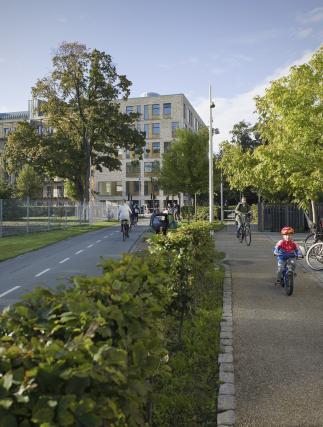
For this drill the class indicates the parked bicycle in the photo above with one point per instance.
(315, 236)
(314, 256)
(244, 232)
(125, 229)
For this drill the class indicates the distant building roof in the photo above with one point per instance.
(17, 115)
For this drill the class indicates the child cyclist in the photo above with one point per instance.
(285, 249)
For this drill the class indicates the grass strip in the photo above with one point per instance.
(13, 246)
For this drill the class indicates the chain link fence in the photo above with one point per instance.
(27, 216)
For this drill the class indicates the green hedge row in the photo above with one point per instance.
(103, 351)
(202, 212)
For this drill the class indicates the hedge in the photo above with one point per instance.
(112, 350)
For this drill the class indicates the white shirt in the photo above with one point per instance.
(124, 212)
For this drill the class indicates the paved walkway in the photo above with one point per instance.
(278, 340)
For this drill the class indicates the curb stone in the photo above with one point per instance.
(226, 400)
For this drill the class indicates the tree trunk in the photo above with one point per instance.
(195, 208)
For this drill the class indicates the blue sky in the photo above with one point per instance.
(170, 46)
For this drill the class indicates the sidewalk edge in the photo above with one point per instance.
(226, 399)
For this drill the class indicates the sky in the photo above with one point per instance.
(170, 46)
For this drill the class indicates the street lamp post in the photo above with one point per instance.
(212, 105)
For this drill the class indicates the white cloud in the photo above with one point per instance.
(229, 111)
(303, 33)
(313, 16)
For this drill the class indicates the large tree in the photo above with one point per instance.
(28, 183)
(79, 101)
(291, 123)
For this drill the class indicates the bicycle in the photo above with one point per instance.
(244, 232)
(314, 256)
(315, 236)
(288, 274)
(125, 229)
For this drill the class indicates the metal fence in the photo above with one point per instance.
(272, 217)
(26, 216)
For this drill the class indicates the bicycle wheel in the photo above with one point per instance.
(314, 256)
(241, 234)
(123, 232)
(309, 241)
(248, 235)
(289, 283)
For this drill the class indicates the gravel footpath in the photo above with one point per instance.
(277, 340)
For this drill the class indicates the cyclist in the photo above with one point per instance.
(240, 211)
(284, 249)
(124, 213)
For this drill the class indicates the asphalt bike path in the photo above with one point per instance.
(278, 340)
(56, 263)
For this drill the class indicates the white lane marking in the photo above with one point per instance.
(78, 252)
(64, 260)
(98, 241)
(42, 272)
(90, 246)
(106, 236)
(10, 290)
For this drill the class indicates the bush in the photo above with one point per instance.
(82, 356)
(202, 212)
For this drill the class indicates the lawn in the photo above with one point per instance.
(12, 246)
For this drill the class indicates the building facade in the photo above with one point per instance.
(160, 117)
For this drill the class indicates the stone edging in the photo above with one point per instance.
(226, 399)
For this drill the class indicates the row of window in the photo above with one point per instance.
(152, 130)
(188, 116)
(133, 188)
(150, 111)
(133, 169)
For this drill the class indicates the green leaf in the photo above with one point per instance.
(6, 403)
(8, 421)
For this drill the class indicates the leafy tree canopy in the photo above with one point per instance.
(78, 100)
(28, 183)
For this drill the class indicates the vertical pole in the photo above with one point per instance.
(211, 214)
(1, 216)
(221, 192)
(28, 199)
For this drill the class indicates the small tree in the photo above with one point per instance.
(28, 183)
(5, 189)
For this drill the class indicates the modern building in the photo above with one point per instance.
(160, 117)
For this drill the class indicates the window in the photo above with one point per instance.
(167, 145)
(151, 189)
(138, 126)
(167, 109)
(110, 188)
(156, 147)
(175, 126)
(132, 188)
(151, 168)
(156, 110)
(133, 169)
(128, 109)
(146, 112)
(146, 130)
(139, 109)
(184, 111)
(156, 129)
(6, 131)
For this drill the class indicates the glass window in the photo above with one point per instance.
(151, 168)
(156, 110)
(128, 109)
(184, 111)
(139, 109)
(156, 147)
(151, 188)
(156, 129)
(6, 131)
(167, 145)
(146, 112)
(132, 188)
(146, 130)
(167, 109)
(133, 169)
(175, 126)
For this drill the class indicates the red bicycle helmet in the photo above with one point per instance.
(287, 230)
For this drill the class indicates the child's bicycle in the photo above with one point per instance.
(288, 274)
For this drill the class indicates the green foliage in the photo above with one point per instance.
(79, 101)
(290, 164)
(202, 212)
(28, 183)
(128, 348)
(185, 165)
(5, 189)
